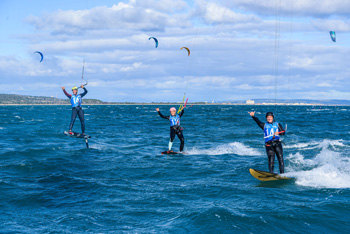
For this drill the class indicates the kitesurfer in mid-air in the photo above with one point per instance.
(273, 145)
(175, 128)
(75, 101)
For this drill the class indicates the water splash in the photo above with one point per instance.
(328, 169)
(315, 145)
(237, 148)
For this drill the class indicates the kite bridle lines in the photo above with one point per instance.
(192, 60)
(84, 52)
(183, 105)
(82, 75)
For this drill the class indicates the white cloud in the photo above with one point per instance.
(324, 84)
(329, 94)
(130, 15)
(163, 5)
(214, 13)
(297, 7)
(133, 67)
(331, 25)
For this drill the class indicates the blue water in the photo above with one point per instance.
(50, 183)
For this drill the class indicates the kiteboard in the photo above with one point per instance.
(170, 152)
(78, 135)
(267, 176)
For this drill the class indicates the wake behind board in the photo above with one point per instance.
(78, 135)
(267, 176)
(170, 152)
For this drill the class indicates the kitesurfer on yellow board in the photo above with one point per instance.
(273, 144)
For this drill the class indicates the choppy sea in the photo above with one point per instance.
(50, 183)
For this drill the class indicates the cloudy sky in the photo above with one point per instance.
(240, 49)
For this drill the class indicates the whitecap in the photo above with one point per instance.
(315, 144)
(328, 169)
(231, 148)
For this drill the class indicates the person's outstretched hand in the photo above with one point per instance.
(157, 109)
(251, 113)
(63, 88)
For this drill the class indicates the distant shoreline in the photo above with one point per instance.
(26, 100)
(196, 104)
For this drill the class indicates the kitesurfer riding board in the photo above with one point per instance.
(76, 101)
(267, 176)
(273, 144)
(175, 129)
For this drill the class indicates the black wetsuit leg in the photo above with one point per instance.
(279, 153)
(181, 138)
(270, 157)
(272, 149)
(74, 116)
(82, 120)
(77, 111)
(172, 134)
(177, 131)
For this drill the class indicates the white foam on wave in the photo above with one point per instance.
(102, 147)
(231, 148)
(318, 109)
(328, 169)
(314, 144)
(297, 145)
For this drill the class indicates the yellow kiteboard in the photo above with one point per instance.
(267, 176)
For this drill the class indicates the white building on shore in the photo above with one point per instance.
(250, 102)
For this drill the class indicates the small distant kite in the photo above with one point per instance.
(42, 56)
(332, 33)
(155, 40)
(188, 50)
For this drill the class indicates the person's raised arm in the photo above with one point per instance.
(85, 91)
(67, 94)
(260, 124)
(182, 112)
(160, 114)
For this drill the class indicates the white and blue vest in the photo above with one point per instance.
(76, 100)
(174, 120)
(271, 132)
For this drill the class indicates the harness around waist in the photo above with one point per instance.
(273, 143)
(176, 128)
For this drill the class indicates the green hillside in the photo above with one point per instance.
(25, 99)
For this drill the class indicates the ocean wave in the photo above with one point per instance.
(328, 169)
(315, 144)
(318, 109)
(237, 148)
